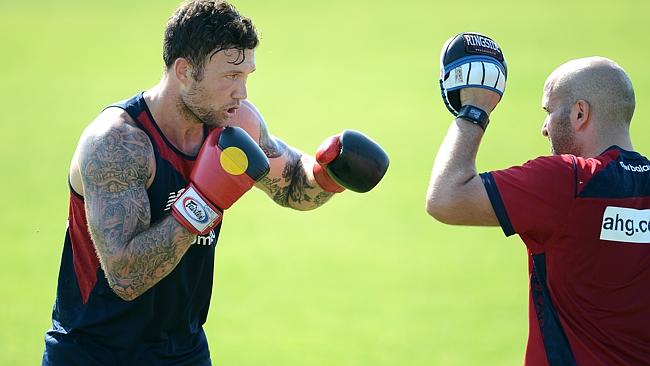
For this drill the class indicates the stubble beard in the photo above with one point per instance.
(563, 140)
(191, 109)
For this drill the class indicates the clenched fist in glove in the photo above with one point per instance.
(350, 160)
(471, 60)
(228, 165)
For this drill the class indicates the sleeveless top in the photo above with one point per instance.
(91, 324)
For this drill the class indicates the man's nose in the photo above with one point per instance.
(240, 92)
(545, 129)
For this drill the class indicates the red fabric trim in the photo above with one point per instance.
(84, 257)
(181, 165)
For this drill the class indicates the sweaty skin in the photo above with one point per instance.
(114, 165)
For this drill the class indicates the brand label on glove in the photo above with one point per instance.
(477, 44)
(195, 210)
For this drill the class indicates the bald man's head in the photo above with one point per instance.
(599, 81)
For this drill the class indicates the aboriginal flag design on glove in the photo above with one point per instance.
(470, 60)
(237, 162)
(240, 154)
(228, 165)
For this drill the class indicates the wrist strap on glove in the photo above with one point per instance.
(325, 181)
(475, 115)
(194, 212)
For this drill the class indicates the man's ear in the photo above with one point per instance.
(580, 114)
(182, 70)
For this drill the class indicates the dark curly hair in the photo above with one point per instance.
(201, 28)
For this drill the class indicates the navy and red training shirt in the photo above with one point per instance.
(91, 325)
(586, 225)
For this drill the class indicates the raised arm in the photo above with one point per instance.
(290, 182)
(115, 162)
(472, 79)
(456, 194)
(350, 160)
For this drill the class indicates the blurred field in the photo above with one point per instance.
(366, 280)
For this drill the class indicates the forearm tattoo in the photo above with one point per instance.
(293, 189)
(148, 258)
(322, 197)
(114, 168)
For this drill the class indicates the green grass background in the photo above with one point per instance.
(368, 279)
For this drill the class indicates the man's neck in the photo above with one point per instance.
(183, 130)
(622, 141)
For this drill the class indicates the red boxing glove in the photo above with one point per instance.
(350, 160)
(228, 165)
(326, 153)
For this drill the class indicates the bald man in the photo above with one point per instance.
(583, 214)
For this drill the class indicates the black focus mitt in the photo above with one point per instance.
(470, 60)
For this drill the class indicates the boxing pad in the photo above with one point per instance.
(350, 160)
(228, 165)
(470, 60)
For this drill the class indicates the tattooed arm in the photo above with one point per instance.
(115, 161)
(290, 181)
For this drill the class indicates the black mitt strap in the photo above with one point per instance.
(475, 115)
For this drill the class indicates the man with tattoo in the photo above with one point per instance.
(135, 280)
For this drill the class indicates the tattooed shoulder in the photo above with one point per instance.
(115, 157)
(272, 146)
(115, 162)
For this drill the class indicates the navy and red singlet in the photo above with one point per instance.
(91, 325)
